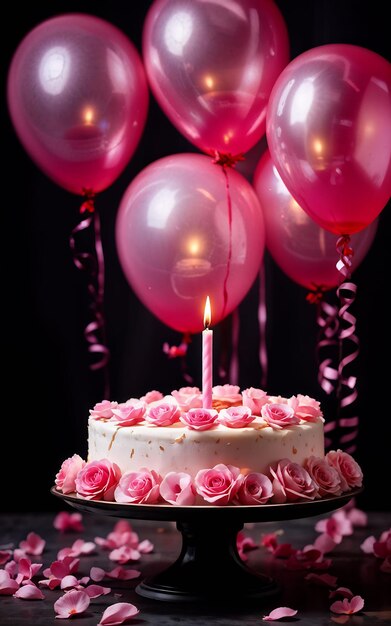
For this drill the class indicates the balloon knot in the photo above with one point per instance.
(88, 205)
(343, 246)
(316, 293)
(226, 159)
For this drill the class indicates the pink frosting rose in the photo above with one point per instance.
(306, 408)
(325, 476)
(177, 488)
(229, 393)
(66, 477)
(152, 396)
(348, 469)
(255, 489)
(218, 485)
(188, 398)
(129, 413)
(292, 482)
(236, 417)
(138, 487)
(163, 413)
(278, 400)
(103, 409)
(254, 399)
(98, 480)
(279, 415)
(199, 419)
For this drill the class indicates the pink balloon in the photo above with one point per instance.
(211, 66)
(329, 134)
(78, 99)
(300, 247)
(173, 239)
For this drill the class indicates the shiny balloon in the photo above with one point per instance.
(175, 244)
(329, 134)
(211, 66)
(78, 99)
(304, 251)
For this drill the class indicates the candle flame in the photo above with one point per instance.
(207, 313)
(88, 116)
(209, 81)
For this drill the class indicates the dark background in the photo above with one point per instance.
(47, 384)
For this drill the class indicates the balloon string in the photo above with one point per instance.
(348, 342)
(227, 160)
(95, 331)
(262, 321)
(229, 257)
(328, 323)
(180, 351)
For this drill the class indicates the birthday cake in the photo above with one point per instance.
(249, 448)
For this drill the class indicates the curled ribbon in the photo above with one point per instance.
(346, 390)
(328, 322)
(93, 264)
(327, 343)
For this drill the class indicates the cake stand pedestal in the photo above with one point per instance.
(209, 567)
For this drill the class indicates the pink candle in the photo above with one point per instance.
(207, 358)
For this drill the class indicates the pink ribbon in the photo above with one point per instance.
(328, 322)
(338, 333)
(93, 264)
(348, 347)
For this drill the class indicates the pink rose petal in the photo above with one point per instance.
(118, 613)
(94, 591)
(358, 517)
(324, 580)
(26, 569)
(348, 607)
(8, 585)
(68, 522)
(145, 546)
(367, 545)
(71, 603)
(97, 574)
(78, 548)
(121, 573)
(124, 554)
(343, 592)
(280, 613)
(29, 592)
(5, 556)
(69, 582)
(33, 544)
(284, 551)
(324, 543)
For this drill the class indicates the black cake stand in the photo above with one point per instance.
(209, 567)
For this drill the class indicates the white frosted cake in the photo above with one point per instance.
(250, 448)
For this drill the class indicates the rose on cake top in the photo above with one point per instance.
(230, 408)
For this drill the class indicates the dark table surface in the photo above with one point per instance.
(354, 569)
